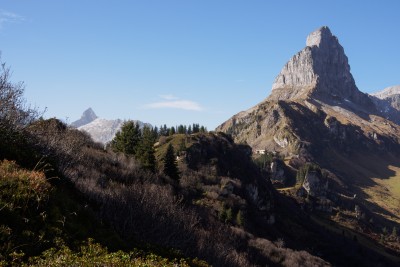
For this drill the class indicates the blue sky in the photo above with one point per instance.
(182, 61)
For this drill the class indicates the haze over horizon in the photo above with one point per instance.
(181, 62)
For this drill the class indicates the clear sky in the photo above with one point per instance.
(182, 61)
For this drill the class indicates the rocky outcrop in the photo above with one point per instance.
(314, 185)
(277, 172)
(320, 71)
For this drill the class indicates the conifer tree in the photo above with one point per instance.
(172, 131)
(145, 149)
(170, 164)
(181, 129)
(127, 139)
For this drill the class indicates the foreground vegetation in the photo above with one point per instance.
(152, 199)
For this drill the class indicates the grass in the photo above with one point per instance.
(175, 140)
(350, 234)
(386, 193)
(375, 176)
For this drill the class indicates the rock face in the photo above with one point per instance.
(388, 102)
(87, 117)
(321, 71)
(101, 130)
(314, 185)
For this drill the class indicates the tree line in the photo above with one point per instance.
(180, 129)
(139, 143)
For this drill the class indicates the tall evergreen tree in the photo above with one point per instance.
(172, 131)
(145, 149)
(196, 128)
(170, 164)
(127, 139)
(181, 129)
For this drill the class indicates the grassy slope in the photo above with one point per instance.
(377, 179)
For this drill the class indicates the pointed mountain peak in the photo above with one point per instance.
(320, 37)
(89, 114)
(320, 71)
(87, 117)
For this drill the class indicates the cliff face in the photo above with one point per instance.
(320, 71)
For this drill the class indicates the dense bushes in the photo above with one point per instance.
(93, 254)
(23, 198)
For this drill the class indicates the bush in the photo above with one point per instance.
(93, 254)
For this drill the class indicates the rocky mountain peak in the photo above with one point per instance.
(320, 37)
(320, 71)
(89, 113)
(87, 117)
(388, 92)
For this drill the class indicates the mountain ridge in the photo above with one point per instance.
(387, 102)
(101, 130)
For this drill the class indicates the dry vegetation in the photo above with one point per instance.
(60, 190)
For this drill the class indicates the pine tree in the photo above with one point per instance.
(196, 128)
(170, 164)
(127, 139)
(181, 129)
(172, 131)
(145, 149)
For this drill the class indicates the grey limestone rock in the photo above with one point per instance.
(314, 185)
(388, 102)
(321, 71)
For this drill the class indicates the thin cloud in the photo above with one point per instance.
(169, 97)
(9, 17)
(176, 103)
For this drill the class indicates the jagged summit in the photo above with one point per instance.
(87, 117)
(320, 37)
(320, 71)
(315, 90)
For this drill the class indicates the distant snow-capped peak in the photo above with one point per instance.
(101, 130)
